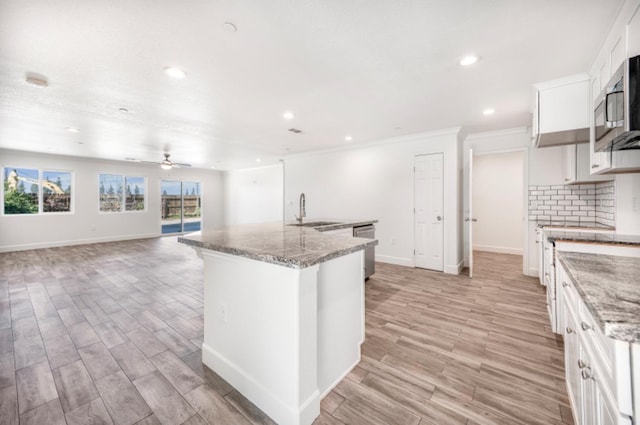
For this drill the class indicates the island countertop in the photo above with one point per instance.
(287, 245)
(608, 285)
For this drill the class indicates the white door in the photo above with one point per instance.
(469, 220)
(428, 216)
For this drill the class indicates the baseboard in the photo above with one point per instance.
(340, 378)
(398, 261)
(454, 269)
(275, 408)
(498, 249)
(533, 272)
(55, 244)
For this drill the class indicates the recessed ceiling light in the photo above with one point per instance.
(176, 73)
(288, 115)
(230, 26)
(258, 160)
(488, 111)
(348, 138)
(469, 60)
(72, 130)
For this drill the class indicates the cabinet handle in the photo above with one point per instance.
(585, 326)
(565, 284)
(567, 180)
(595, 165)
(582, 364)
(586, 373)
(569, 330)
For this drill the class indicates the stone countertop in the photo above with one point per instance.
(609, 287)
(289, 246)
(569, 226)
(592, 237)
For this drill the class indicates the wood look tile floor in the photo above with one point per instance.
(110, 334)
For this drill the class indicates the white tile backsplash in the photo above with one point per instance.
(571, 204)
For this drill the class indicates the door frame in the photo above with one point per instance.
(525, 197)
(182, 181)
(444, 178)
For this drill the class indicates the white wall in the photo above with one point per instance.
(253, 195)
(86, 224)
(376, 182)
(497, 202)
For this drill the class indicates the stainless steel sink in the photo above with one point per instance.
(313, 223)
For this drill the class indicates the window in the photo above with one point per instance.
(31, 191)
(181, 206)
(121, 193)
(56, 191)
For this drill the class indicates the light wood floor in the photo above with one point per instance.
(110, 333)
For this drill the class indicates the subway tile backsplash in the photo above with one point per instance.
(572, 204)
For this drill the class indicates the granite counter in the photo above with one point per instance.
(610, 289)
(287, 245)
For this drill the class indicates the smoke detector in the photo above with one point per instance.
(37, 80)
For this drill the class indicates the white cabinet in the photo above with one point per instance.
(622, 42)
(569, 163)
(595, 366)
(577, 165)
(561, 111)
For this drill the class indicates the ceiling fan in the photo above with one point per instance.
(166, 163)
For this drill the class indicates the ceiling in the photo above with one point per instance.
(369, 69)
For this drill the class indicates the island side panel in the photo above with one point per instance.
(340, 318)
(260, 333)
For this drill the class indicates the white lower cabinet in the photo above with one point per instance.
(597, 392)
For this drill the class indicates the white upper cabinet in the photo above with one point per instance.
(577, 165)
(561, 111)
(622, 42)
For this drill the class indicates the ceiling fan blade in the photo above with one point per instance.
(150, 162)
(181, 165)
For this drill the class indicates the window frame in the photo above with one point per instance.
(123, 208)
(41, 211)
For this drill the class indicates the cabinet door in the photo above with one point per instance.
(633, 34)
(572, 371)
(564, 107)
(569, 163)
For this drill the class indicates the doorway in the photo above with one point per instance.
(496, 208)
(180, 206)
(428, 211)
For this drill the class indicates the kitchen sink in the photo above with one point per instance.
(314, 224)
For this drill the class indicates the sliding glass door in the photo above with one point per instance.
(180, 206)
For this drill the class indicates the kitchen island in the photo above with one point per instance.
(283, 313)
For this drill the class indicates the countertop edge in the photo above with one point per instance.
(625, 332)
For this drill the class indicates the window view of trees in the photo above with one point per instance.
(56, 191)
(28, 191)
(135, 193)
(120, 193)
(21, 186)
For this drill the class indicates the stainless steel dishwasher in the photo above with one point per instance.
(369, 232)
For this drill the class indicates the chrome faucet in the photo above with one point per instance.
(303, 212)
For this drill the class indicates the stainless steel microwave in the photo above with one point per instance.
(617, 111)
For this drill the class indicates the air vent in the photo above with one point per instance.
(295, 130)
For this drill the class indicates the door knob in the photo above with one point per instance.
(439, 218)
(474, 219)
(466, 219)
